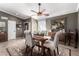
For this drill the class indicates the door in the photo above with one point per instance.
(11, 30)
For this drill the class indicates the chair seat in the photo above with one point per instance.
(49, 44)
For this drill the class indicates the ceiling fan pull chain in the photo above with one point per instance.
(39, 4)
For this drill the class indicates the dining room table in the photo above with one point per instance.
(41, 40)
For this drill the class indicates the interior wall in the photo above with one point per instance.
(29, 23)
(78, 27)
(7, 17)
(71, 21)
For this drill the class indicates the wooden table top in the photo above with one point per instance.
(41, 38)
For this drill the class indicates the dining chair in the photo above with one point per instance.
(30, 43)
(53, 45)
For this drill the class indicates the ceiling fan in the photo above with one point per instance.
(40, 13)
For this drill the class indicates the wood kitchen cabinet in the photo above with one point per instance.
(3, 30)
(3, 36)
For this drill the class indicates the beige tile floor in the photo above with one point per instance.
(74, 51)
(21, 44)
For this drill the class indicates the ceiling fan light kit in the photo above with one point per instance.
(40, 13)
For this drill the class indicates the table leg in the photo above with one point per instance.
(65, 40)
(69, 52)
(43, 49)
(69, 42)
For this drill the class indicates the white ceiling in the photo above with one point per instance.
(23, 10)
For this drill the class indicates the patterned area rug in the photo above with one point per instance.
(62, 52)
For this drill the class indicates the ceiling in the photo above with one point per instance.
(23, 10)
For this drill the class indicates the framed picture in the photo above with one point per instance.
(2, 24)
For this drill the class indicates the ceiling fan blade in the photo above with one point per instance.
(43, 10)
(33, 11)
(46, 14)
